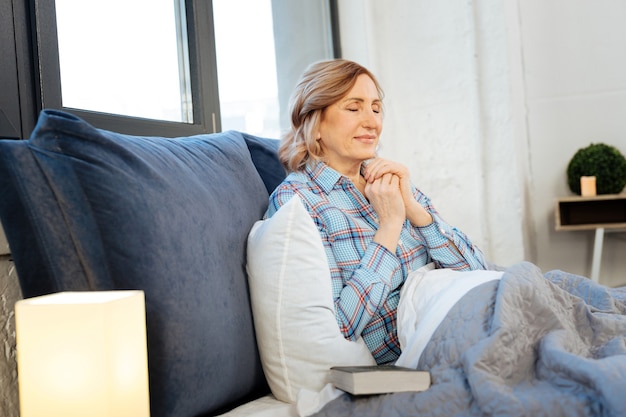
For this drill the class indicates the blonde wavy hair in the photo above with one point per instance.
(322, 84)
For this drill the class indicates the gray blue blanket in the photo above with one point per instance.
(527, 345)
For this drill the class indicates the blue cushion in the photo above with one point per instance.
(264, 155)
(99, 210)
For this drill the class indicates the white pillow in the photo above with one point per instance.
(292, 303)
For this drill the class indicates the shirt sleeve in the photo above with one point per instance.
(365, 292)
(447, 246)
(280, 196)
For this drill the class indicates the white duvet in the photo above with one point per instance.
(426, 297)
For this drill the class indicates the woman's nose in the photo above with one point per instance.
(371, 119)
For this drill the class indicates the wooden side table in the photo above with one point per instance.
(599, 213)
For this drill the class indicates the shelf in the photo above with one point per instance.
(606, 211)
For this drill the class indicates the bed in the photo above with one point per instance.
(517, 343)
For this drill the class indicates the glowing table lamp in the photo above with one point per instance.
(82, 354)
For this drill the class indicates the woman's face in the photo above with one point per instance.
(350, 128)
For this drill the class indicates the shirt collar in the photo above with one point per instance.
(323, 176)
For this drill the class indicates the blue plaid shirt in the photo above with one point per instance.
(367, 277)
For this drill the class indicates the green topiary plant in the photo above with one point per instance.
(603, 161)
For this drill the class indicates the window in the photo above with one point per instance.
(94, 38)
(150, 67)
(112, 85)
(246, 66)
(262, 48)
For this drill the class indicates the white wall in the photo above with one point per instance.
(575, 76)
(486, 102)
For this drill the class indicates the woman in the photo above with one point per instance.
(376, 227)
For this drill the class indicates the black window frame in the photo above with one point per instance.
(17, 70)
(202, 68)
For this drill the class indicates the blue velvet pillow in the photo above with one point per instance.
(170, 217)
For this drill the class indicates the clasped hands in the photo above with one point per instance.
(388, 190)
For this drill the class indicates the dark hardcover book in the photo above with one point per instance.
(365, 380)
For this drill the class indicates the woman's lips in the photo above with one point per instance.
(366, 138)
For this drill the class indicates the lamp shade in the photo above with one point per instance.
(82, 354)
